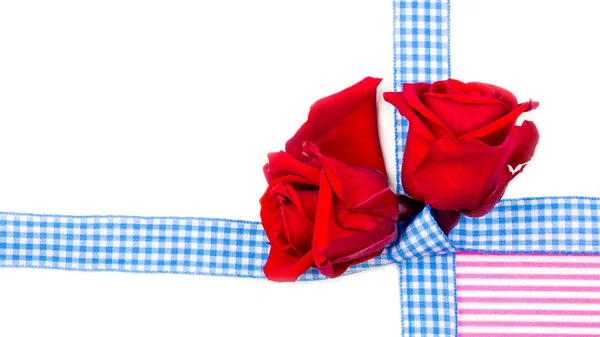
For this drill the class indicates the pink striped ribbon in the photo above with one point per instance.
(501, 295)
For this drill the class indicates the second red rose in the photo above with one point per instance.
(463, 145)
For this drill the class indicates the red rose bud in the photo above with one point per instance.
(463, 144)
(328, 204)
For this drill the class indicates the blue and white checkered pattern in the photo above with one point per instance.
(423, 237)
(534, 225)
(140, 244)
(239, 248)
(427, 284)
(136, 244)
(428, 296)
(421, 52)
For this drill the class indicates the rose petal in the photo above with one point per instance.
(338, 267)
(504, 95)
(398, 100)
(296, 229)
(500, 125)
(269, 208)
(523, 141)
(463, 114)
(349, 245)
(418, 141)
(281, 267)
(285, 263)
(356, 214)
(344, 126)
(281, 164)
(331, 267)
(458, 88)
(475, 89)
(354, 187)
(414, 151)
(292, 229)
(305, 201)
(383, 204)
(526, 139)
(482, 100)
(324, 221)
(470, 176)
(332, 242)
(447, 87)
(458, 175)
(413, 93)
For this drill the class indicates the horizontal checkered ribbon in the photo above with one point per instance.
(426, 257)
(138, 244)
(239, 248)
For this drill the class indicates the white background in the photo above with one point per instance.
(168, 108)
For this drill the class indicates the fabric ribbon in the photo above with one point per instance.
(222, 247)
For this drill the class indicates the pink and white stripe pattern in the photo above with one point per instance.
(503, 295)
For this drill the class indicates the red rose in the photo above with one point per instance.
(328, 203)
(463, 145)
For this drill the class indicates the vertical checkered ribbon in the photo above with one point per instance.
(425, 256)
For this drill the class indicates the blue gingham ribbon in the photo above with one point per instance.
(426, 257)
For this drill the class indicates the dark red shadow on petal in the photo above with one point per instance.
(446, 220)
(408, 207)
